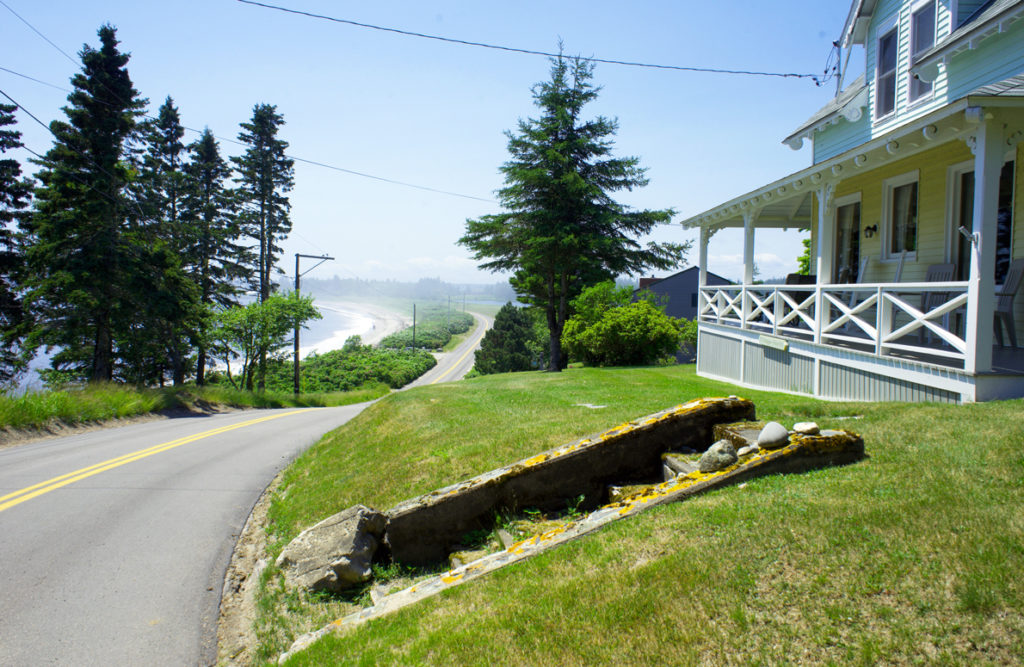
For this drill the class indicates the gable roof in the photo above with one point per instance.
(849, 104)
(678, 274)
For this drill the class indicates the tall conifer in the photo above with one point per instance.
(217, 261)
(265, 175)
(14, 196)
(80, 253)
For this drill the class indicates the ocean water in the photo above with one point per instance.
(340, 321)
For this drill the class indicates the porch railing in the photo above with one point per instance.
(886, 319)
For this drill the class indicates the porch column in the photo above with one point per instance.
(824, 253)
(748, 261)
(989, 148)
(702, 262)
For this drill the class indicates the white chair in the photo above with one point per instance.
(937, 273)
(1004, 301)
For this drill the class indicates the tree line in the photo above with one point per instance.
(128, 247)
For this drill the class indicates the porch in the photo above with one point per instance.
(872, 341)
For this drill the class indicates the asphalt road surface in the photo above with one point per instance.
(454, 365)
(114, 543)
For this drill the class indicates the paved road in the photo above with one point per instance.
(454, 365)
(114, 543)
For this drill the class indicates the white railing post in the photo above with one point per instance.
(883, 319)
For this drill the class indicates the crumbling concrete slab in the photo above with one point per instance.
(803, 452)
(424, 530)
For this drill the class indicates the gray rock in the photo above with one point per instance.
(334, 554)
(773, 436)
(720, 455)
(806, 428)
(674, 464)
(749, 449)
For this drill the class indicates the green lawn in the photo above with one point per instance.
(910, 556)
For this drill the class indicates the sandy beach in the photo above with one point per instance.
(368, 321)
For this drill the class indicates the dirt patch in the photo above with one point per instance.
(235, 636)
(12, 437)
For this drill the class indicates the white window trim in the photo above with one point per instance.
(953, 195)
(914, 9)
(890, 25)
(845, 200)
(888, 186)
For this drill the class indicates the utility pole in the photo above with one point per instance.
(414, 327)
(298, 276)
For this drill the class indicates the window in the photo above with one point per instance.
(964, 216)
(846, 266)
(885, 80)
(900, 221)
(922, 31)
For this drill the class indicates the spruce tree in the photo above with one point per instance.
(217, 262)
(80, 254)
(14, 196)
(505, 347)
(561, 230)
(265, 175)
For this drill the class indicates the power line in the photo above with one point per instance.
(47, 39)
(296, 158)
(450, 40)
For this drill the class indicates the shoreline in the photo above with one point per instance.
(371, 323)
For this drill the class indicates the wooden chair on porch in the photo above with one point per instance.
(1004, 301)
(937, 273)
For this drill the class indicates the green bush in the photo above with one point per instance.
(354, 365)
(434, 329)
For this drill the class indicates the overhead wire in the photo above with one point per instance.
(532, 52)
(296, 158)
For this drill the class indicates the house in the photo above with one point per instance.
(916, 234)
(679, 293)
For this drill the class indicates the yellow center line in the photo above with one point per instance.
(464, 355)
(30, 492)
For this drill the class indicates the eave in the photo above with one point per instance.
(793, 192)
(995, 21)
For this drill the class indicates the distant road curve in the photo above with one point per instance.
(454, 365)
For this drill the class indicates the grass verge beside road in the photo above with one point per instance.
(101, 402)
(911, 555)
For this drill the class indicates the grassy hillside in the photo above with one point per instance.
(912, 555)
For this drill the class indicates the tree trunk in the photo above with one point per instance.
(201, 366)
(102, 371)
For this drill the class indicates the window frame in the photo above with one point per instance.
(913, 81)
(889, 187)
(840, 202)
(885, 29)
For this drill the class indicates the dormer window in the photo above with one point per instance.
(922, 38)
(885, 78)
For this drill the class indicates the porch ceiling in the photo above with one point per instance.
(789, 201)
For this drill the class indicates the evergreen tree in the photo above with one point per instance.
(562, 231)
(80, 253)
(265, 174)
(505, 347)
(218, 262)
(14, 195)
(168, 320)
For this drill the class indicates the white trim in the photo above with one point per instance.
(915, 9)
(891, 26)
(953, 196)
(889, 185)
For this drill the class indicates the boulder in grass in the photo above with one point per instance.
(720, 455)
(773, 436)
(335, 554)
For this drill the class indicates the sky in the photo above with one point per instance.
(433, 114)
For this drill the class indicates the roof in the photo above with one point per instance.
(1012, 87)
(990, 19)
(679, 273)
(849, 104)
